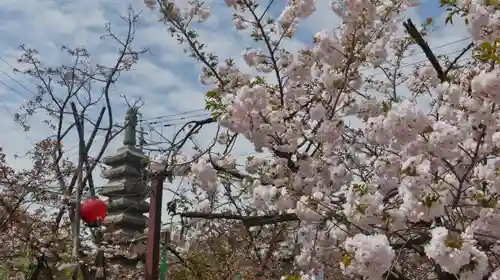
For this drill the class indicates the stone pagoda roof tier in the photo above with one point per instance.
(124, 204)
(126, 221)
(126, 155)
(126, 187)
(122, 171)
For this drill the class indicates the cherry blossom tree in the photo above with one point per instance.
(394, 176)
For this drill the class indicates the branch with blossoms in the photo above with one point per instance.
(23, 200)
(393, 174)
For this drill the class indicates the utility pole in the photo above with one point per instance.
(154, 226)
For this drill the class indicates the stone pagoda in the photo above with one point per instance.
(127, 187)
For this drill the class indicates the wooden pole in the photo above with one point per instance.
(79, 187)
(76, 225)
(154, 228)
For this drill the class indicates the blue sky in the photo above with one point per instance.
(165, 79)
(429, 8)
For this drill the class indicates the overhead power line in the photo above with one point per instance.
(7, 109)
(19, 83)
(149, 120)
(439, 46)
(180, 118)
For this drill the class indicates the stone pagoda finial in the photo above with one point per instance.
(130, 127)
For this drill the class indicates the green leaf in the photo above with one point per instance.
(347, 260)
(258, 81)
(211, 94)
(449, 19)
(486, 46)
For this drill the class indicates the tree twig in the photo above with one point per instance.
(466, 49)
(415, 34)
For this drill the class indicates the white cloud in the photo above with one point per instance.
(165, 79)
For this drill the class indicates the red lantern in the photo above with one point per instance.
(93, 211)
